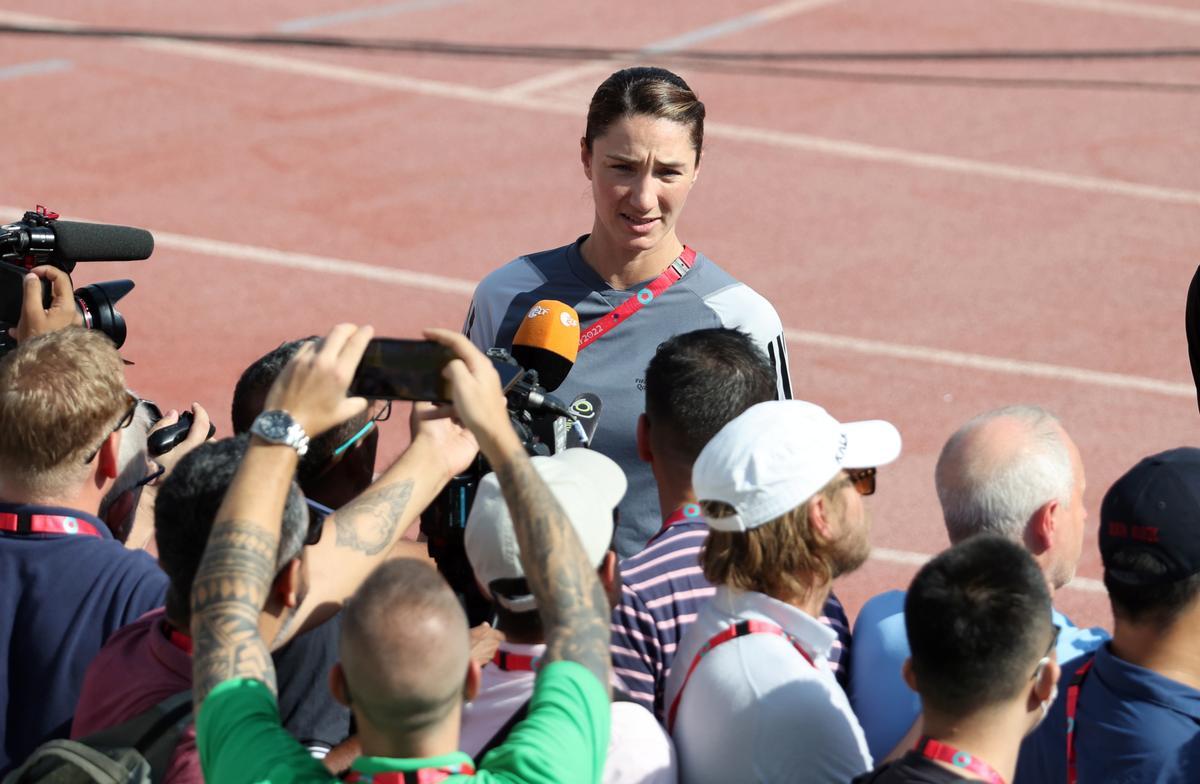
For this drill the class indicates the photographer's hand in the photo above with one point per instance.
(38, 320)
(453, 446)
(312, 388)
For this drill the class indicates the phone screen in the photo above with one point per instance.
(396, 369)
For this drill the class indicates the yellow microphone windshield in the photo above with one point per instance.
(550, 325)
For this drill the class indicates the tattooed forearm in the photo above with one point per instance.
(574, 609)
(228, 594)
(368, 523)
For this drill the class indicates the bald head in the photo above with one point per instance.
(405, 648)
(1000, 468)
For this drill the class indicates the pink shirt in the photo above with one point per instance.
(135, 670)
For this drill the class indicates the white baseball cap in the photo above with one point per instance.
(587, 484)
(776, 455)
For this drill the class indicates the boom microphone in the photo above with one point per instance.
(75, 241)
(548, 341)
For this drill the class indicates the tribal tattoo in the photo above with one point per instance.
(574, 609)
(368, 524)
(228, 594)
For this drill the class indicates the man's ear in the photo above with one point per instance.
(1045, 685)
(109, 457)
(644, 452)
(585, 157)
(337, 685)
(608, 571)
(910, 677)
(1041, 528)
(288, 584)
(818, 518)
(472, 681)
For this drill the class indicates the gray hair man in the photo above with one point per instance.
(1014, 472)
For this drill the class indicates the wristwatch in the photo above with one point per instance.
(278, 427)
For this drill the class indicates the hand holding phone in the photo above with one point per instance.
(398, 369)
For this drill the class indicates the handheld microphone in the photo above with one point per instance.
(548, 341)
(586, 410)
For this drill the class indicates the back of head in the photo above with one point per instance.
(978, 620)
(1001, 467)
(698, 382)
(649, 91)
(250, 395)
(186, 508)
(405, 648)
(1150, 539)
(60, 395)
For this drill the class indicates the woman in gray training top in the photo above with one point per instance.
(641, 150)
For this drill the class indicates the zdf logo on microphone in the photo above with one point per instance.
(537, 310)
(567, 319)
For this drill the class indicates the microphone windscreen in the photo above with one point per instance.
(548, 341)
(74, 241)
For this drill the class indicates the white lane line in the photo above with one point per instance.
(1162, 13)
(878, 348)
(307, 23)
(917, 560)
(593, 68)
(1012, 367)
(35, 68)
(837, 148)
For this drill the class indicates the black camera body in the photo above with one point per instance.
(40, 238)
(444, 521)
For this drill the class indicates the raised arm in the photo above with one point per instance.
(574, 610)
(239, 565)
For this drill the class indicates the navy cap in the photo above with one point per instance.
(1154, 509)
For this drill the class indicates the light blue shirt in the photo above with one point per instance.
(885, 706)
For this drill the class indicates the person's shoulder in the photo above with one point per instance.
(639, 748)
(736, 305)
(878, 608)
(523, 272)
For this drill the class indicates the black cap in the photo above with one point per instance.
(1154, 509)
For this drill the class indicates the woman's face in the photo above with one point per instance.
(641, 170)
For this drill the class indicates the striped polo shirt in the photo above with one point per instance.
(663, 589)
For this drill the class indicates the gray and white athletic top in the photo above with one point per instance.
(614, 366)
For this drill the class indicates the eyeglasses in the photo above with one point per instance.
(1042, 662)
(381, 411)
(125, 421)
(154, 471)
(863, 479)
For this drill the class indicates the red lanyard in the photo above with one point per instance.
(180, 640)
(1072, 706)
(515, 662)
(944, 752)
(739, 629)
(46, 524)
(670, 276)
(688, 513)
(421, 776)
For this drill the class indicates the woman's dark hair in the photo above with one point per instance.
(655, 92)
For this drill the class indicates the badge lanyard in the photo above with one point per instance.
(515, 662)
(688, 513)
(739, 629)
(422, 776)
(1072, 706)
(944, 752)
(670, 276)
(46, 524)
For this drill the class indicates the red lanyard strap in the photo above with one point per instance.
(421, 776)
(515, 662)
(670, 276)
(739, 629)
(46, 524)
(1072, 707)
(688, 513)
(944, 752)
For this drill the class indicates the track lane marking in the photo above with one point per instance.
(1161, 13)
(831, 147)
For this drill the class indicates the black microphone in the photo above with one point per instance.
(75, 241)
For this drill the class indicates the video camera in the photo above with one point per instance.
(546, 426)
(40, 238)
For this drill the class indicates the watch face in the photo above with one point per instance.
(273, 425)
